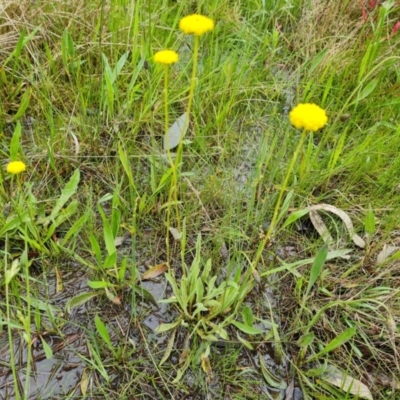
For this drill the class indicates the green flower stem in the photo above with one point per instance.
(178, 160)
(273, 223)
(9, 319)
(194, 74)
(171, 162)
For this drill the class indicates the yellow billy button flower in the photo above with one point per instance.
(308, 116)
(166, 57)
(16, 167)
(196, 24)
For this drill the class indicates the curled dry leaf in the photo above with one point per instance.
(342, 380)
(344, 217)
(154, 271)
(385, 253)
(321, 228)
(84, 382)
(176, 132)
(120, 240)
(206, 365)
(175, 233)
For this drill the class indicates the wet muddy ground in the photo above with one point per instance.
(70, 371)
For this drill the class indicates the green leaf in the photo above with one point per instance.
(127, 168)
(109, 238)
(79, 300)
(110, 261)
(367, 90)
(75, 228)
(285, 206)
(317, 267)
(342, 338)
(270, 378)
(25, 100)
(15, 143)
(97, 362)
(167, 327)
(245, 342)
(96, 249)
(294, 216)
(250, 330)
(98, 284)
(145, 294)
(102, 329)
(369, 222)
(306, 339)
(68, 191)
(169, 348)
(13, 271)
(14, 223)
(247, 315)
(48, 352)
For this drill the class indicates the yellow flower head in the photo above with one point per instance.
(166, 57)
(196, 24)
(308, 116)
(16, 167)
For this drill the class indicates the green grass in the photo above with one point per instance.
(82, 104)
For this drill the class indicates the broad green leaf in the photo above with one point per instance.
(247, 315)
(22, 41)
(169, 348)
(68, 191)
(62, 217)
(250, 330)
(98, 284)
(13, 271)
(48, 352)
(145, 295)
(285, 206)
(306, 339)
(120, 63)
(110, 261)
(294, 216)
(25, 100)
(41, 305)
(15, 143)
(369, 222)
(109, 238)
(176, 132)
(79, 300)
(317, 267)
(289, 267)
(96, 248)
(342, 338)
(14, 222)
(167, 327)
(75, 228)
(102, 329)
(245, 342)
(97, 362)
(367, 90)
(317, 371)
(127, 168)
(270, 378)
